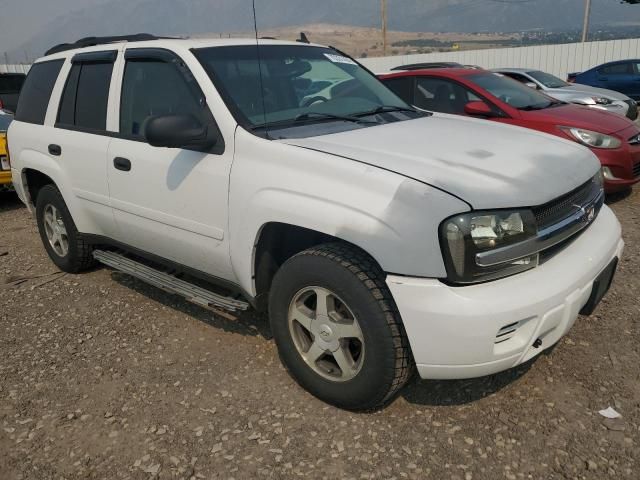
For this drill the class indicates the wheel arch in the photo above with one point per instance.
(33, 180)
(275, 243)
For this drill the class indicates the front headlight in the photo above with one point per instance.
(602, 101)
(466, 235)
(592, 139)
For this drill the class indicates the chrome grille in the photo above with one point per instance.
(559, 209)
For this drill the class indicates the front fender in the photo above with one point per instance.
(393, 218)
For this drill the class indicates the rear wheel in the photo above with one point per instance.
(66, 247)
(337, 328)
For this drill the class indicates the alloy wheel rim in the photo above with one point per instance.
(56, 231)
(326, 334)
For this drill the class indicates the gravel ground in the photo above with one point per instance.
(102, 376)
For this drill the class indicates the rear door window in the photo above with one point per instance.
(402, 87)
(617, 69)
(36, 91)
(86, 96)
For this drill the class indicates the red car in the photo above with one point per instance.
(479, 93)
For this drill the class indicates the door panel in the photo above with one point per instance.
(82, 140)
(619, 77)
(169, 202)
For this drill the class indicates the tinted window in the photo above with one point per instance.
(617, 69)
(36, 91)
(11, 83)
(86, 95)
(516, 76)
(402, 86)
(440, 95)
(156, 88)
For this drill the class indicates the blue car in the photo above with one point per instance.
(622, 76)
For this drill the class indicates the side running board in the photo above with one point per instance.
(169, 283)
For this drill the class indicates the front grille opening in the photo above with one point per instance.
(560, 208)
(636, 170)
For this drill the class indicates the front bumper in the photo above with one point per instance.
(453, 330)
(619, 108)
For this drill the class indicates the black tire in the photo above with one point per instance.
(359, 281)
(80, 253)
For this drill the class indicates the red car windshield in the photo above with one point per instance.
(512, 92)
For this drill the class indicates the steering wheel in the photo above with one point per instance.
(313, 100)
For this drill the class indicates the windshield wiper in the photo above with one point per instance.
(529, 108)
(331, 116)
(386, 109)
(306, 117)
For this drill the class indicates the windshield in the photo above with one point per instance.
(512, 92)
(5, 120)
(548, 80)
(300, 84)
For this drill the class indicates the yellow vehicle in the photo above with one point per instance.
(5, 169)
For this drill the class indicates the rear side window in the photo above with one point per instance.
(11, 83)
(36, 91)
(86, 96)
(152, 88)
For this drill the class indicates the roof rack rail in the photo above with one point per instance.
(92, 41)
(428, 65)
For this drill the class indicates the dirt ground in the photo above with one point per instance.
(102, 376)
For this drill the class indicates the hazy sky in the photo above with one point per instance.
(32, 26)
(21, 19)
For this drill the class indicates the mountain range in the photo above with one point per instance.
(50, 23)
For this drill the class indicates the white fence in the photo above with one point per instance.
(556, 59)
(19, 68)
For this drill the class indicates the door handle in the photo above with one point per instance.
(55, 150)
(122, 164)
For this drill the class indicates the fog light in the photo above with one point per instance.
(608, 174)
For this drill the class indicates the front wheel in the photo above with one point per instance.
(337, 328)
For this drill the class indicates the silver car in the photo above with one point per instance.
(600, 98)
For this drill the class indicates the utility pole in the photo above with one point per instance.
(587, 16)
(384, 27)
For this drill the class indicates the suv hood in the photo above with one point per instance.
(579, 89)
(581, 117)
(488, 165)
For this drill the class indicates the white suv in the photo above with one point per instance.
(380, 238)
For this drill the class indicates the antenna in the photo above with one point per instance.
(303, 38)
(264, 105)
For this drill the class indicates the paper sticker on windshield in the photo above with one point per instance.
(339, 59)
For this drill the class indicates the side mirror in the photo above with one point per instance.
(478, 109)
(179, 131)
(531, 85)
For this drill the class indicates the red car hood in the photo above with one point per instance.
(580, 117)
